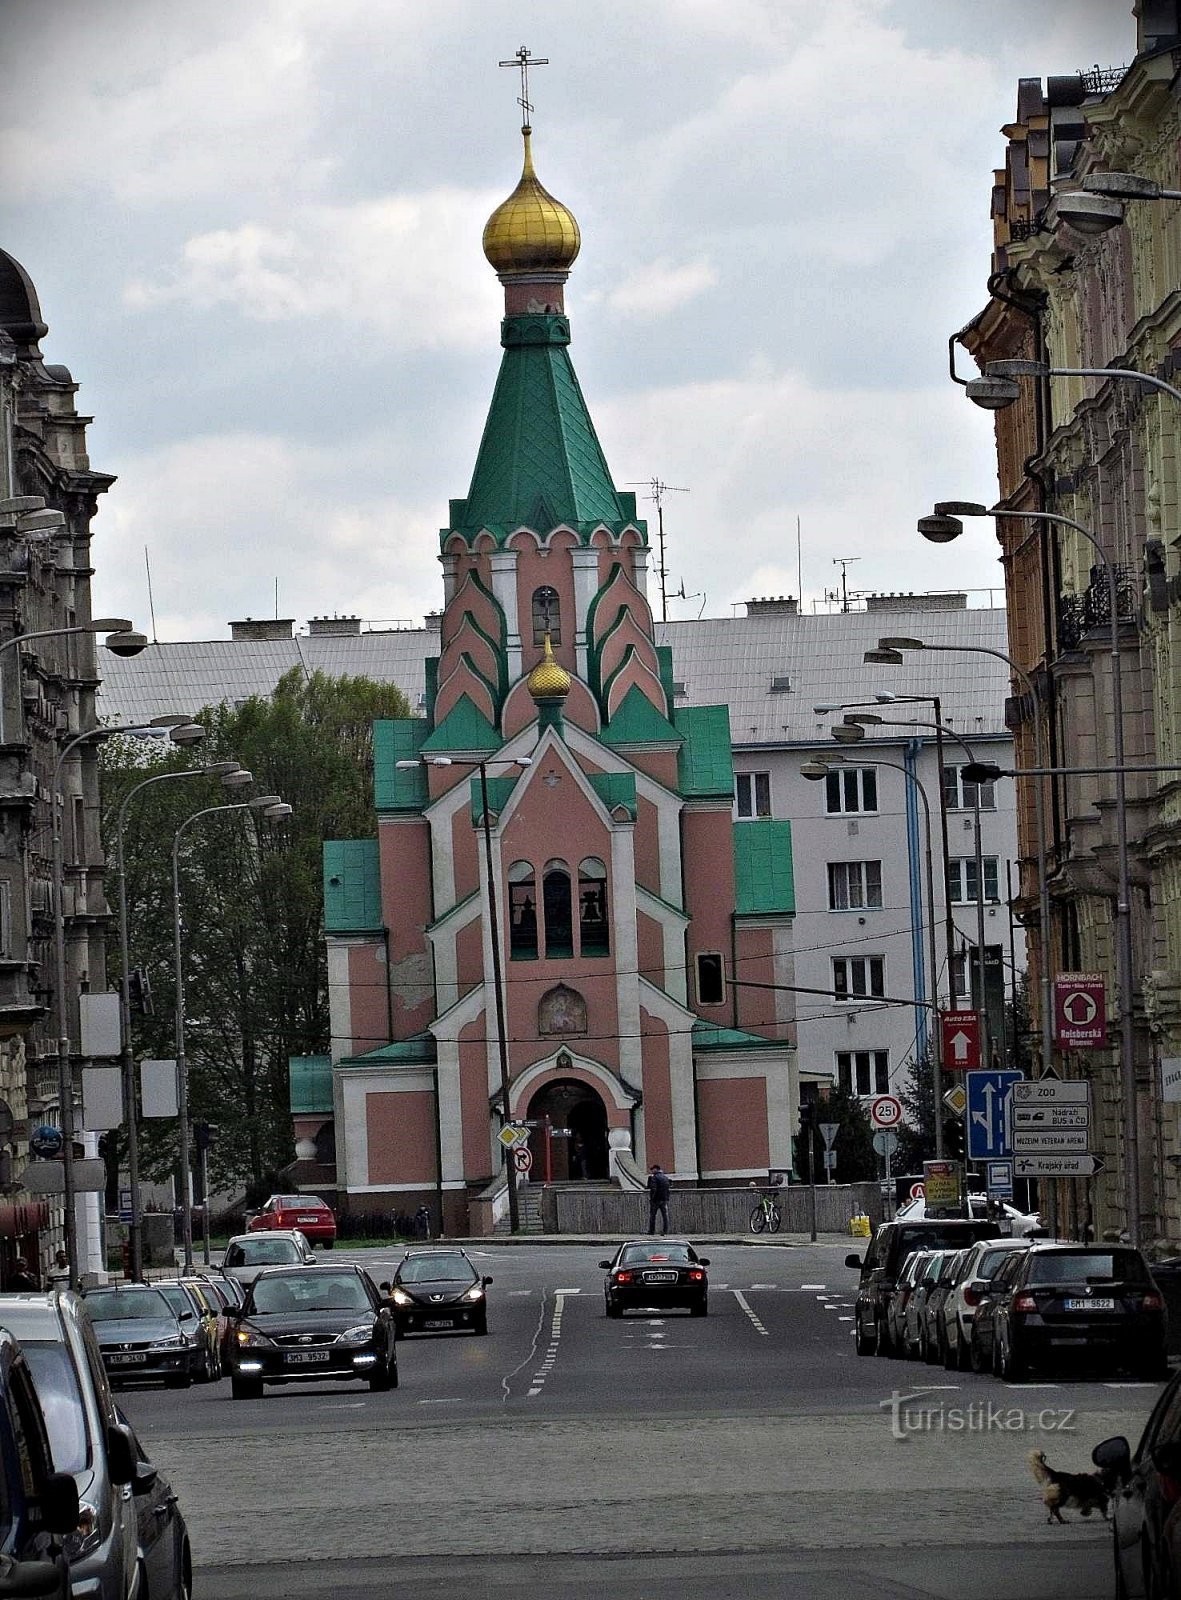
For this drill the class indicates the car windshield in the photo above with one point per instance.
(56, 1383)
(301, 1202)
(320, 1290)
(436, 1269)
(991, 1260)
(261, 1252)
(677, 1254)
(118, 1305)
(177, 1298)
(1087, 1266)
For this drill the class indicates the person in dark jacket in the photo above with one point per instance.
(659, 1189)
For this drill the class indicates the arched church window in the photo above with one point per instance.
(594, 932)
(522, 911)
(547, 615)
(559, 925)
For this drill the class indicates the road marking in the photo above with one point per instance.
(520, 1291)
(555, 1336)
(567, 1291)
(746, 1306)
(830, 1305)
(452, 1400)
(844, 1319)
(347, 1405)
(764, 1286)
(505, 1382)
(1131, 1386)
(813, 1286)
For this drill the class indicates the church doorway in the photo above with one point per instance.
(578, 1137)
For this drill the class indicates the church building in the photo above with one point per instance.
(556, 822)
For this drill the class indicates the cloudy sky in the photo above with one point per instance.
(255, 232)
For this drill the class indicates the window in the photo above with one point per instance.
(711, 980)
(961, 978)
(854, 885)
(858, 977)
(555, 896)
(594, 933)
(962, 889)
(851, 789)
(864, 1071)
(753, 791)
(547, 618)
(522, 912)
(961, 796)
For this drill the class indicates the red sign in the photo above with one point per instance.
(1080, 1010)
(885, 1111)
(522, 1158)
(961, 1040)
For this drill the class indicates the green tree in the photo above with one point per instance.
(856, 1158)
(251, 900)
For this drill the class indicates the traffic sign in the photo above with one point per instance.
(522, 1159)
(828, 1132)
(885, 1143)
(513, 1134)
(1080, 1010)
(918, 1191)
(998, 1179)
(956, 1100)
(1052, 1141)
(46, 1140)
(830, 1161)
(960, 1037)
(1042, 1165)
(1052, 1092)
(885, 1111)
(1051, 1116)
(989, 1095)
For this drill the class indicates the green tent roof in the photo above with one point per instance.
(705, 764)
(465, 727)
(764, 879)
(352, 886)
(638, 722)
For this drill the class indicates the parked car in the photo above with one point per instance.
(958, 1311)
(312, 1323)
(656, 1273)
(38, 1502)
(164, 1552)
(1021, 1224)
(139, 1335)
(198, 1323)
(929, 1310)
(883, 1261)
(1145, 1514)
(227, 1295)
(246, 1254)
(312, 1216)
(437, 1289)
(1056, 1301)
(912, 1271)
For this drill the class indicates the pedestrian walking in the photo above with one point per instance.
(659, 1189)
(59, 1272)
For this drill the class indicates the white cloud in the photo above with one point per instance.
(660, 287)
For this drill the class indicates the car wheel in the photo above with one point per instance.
(1154, 1370)
(481, 1325)
(881, 1345)
(1011, 1367)
(328, 1243)
(245, 1388)
(862, 1343)
(931, 1352)
(178, 1380)
(381, 1378)
(700, 1309)
(612, 1309)
(951, 1358)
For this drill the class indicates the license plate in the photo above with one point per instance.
(1088, 1305)
(305, 1358)
(302, 1220)
(660, 1277)
(127, 1358)
(438, 1322)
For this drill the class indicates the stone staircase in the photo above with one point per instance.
(530, 1208)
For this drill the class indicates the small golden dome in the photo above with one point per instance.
(531, 231)
(549, 680)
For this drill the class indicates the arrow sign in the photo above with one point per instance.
(961, 1040)
(989, 1094)
(885, 1143)
(1080, 1010)
(1046, 1166)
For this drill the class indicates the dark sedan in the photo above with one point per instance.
(1146, 1502)
(139, 1335)
(312, 1323)
(437, 1290)
(654, 1274)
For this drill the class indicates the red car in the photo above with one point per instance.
(307, 1212)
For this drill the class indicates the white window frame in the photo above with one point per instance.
(854, 883)
(747, 786)
(875, 1076)
(961, 796)
(963, 874)
(858, 978)
(852, 785)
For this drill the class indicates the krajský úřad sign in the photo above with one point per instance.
(1080, 1010)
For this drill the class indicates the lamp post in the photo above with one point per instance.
(176, 728)
(274, 809)
(941, 528)
(225, 770)
(998, 388)
(123, 641)
(514, 1213)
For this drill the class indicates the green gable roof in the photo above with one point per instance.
(615, 789)
(465, 727)
(410, 1052)
(708, 1037)
(395, 741)
(499, 790)
(309, 1081)
(764, 880)
(352, 886)
(540, 462)
(705, 765)
(638, 722)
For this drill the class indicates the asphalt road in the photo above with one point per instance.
(750, 1453)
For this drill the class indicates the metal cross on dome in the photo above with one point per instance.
(523, 60)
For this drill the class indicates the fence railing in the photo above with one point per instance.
(570, 1209)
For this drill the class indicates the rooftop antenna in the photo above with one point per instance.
(151, 601)
(844, 562)
(657, 492)
(523, 61)
(700, 595)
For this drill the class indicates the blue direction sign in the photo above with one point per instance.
(989, 1094)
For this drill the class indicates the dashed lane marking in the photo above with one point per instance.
(844, 1319)
(506, 1381)
(519, 1291)
(764, 1286)
(813, 1286)
(451, 1400)
(746, 1306)
(555, 1338)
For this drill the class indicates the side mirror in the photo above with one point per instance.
(606, 1265)
(121, 1454)
(59, 1504)
(145, 1478)
(853, 1261)
(385, 1289)
(486, 1281)
(1114, 1455)
(703, 1261)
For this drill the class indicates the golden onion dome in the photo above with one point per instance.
(549, 680)
(531, 231)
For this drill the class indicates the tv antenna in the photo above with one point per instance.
(844, 562)
(700, 595)
(657, 492)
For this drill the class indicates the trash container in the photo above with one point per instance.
(1168, 1278)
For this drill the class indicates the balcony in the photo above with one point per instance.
(1081, 614)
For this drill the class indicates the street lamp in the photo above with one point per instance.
(123, 641)
(229, 773)
(274, 809)
(948, 526)
(514, 1217)
(999, 388)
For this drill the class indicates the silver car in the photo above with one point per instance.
(959, 1309)
(248, 1253)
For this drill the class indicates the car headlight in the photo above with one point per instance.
(361, 1334)
(174, 1341)
(401, 1298)
(248, 1336)
(88, 1535)
(474, 1293)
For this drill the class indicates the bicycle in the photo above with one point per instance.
(765, 1216)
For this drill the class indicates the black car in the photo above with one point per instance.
(139, 1335)
(1097, 1304)
(882, 1263)
(1146, 1526)
(436, 1290)
(654, 1274)
(312, 1323)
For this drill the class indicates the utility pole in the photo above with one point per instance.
(656, 492)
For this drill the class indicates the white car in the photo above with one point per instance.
(1018, 1224)
(959, 1308)
(248, 1253)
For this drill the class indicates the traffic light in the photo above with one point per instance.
(205, 1135)
(139, 993)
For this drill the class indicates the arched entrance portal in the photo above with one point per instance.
(580, 1153)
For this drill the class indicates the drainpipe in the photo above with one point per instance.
(916, 900)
